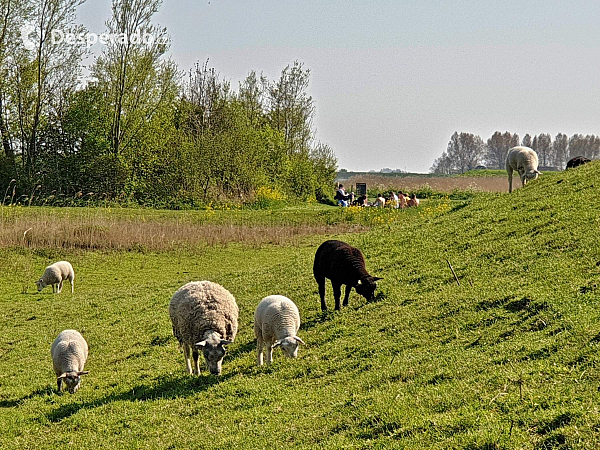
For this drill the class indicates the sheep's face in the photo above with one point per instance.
(72, 380)
(40, 284)
(366, 287)
(531, 175)
(289, 346)
(213, 351)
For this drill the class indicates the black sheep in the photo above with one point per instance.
(342, 264)
(577, 161)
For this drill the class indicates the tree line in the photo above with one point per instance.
(139, 128)
(467, 151)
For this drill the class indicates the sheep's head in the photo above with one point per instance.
(213, 350)
(532, 174)
(72, 380)
(40, 284)
(289, 345)
(366, 287)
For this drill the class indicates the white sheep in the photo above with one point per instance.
(204, 315)
(69, 354)
(276, 322)
(525, 161)
(55, 274)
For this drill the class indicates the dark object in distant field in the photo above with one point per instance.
(577, 161)
(342, 264)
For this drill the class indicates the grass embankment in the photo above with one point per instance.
(508, 359)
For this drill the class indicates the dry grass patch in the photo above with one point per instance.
(443, 184)
(47, 228)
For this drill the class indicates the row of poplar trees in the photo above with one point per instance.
(467, 151)
(137, 128)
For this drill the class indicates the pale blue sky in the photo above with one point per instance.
(392, 80)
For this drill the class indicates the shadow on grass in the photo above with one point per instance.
(164, 387)
(42, 392)
(322, 317)
(242, 349)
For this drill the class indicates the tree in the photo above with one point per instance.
(252, 93)
(11, 16)
(526, 142)
(544, 149)
(497, 148)
(291, 109)
(560, 149)
(442, 165)
(44, 79)
(130, 71)
(576, 146)
(465, 150)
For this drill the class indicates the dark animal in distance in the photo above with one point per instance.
(342, 264)
(577, 161)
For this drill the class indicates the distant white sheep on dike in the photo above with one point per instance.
(525, 161)
(276, 322)
(55, 275)
(69, 354)
(204, 316)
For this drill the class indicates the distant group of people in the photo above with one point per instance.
(395, 200)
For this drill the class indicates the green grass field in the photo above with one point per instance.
(507, 359)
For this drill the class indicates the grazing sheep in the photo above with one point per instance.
(55, 275)
(276, 322)
(69, 354)
(525, 161)
(577, 161)
(204, 315)
(342, 264)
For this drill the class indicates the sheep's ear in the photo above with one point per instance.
(200, 344)
(83, 372)
(538, 172)
(61, 376)
(299, 340)
(277, 343)
(225, 342)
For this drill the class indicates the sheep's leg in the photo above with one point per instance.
(72, 280)
(186, 355)
(269, 352)
(54, 289)
(59, 383)
(196, 357)
(510, 177)
(321, 283)
(259, 350)
(337, 293)
(60, 285)
(522, 175)
(347, 295)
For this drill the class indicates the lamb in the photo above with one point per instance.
(69, 354)
(204, 315)
(525, 161)
(577, 161)
(55, 274)
(276, 322)
(342, 264)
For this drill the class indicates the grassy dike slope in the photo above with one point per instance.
(508, 359)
